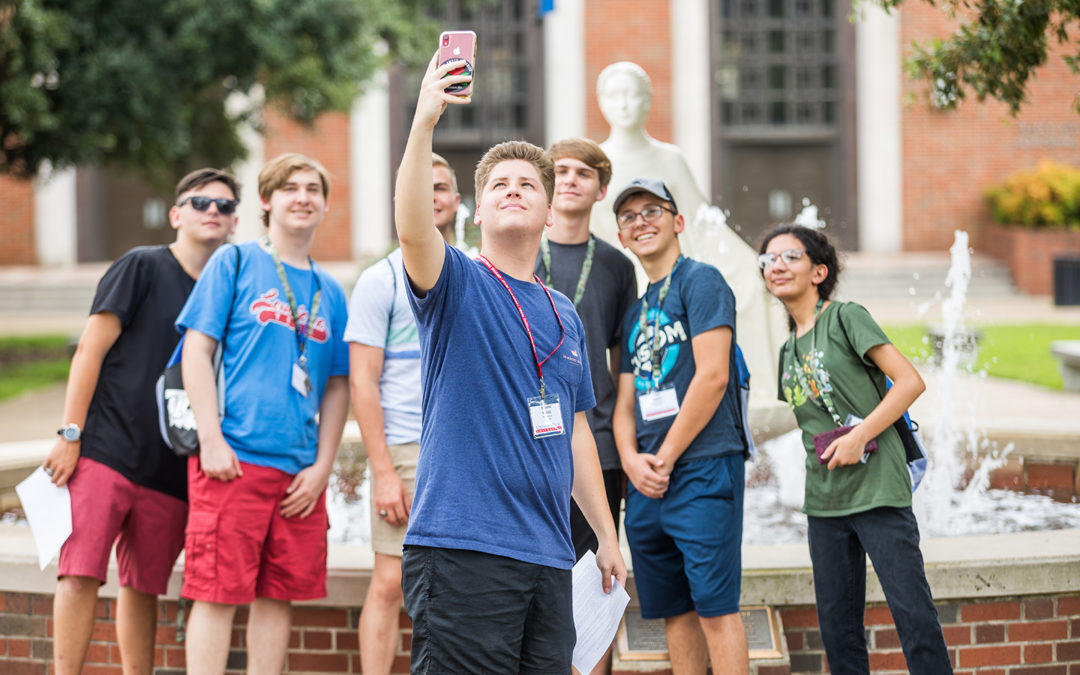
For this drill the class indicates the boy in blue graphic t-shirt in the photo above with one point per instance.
(679, 434)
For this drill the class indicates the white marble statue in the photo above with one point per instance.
(625, 95)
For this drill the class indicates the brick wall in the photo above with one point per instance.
(1037, 635)
(16, 222)
(1032, 635)
(326, 141)
(323, 639)
(1060, 479)
(1030, 253)
(950, 158)
(643, 35)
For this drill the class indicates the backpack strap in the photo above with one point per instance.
(236, 282)
(847, 338)
(904, 425)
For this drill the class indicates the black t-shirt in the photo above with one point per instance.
(145, 288)
(611, 289)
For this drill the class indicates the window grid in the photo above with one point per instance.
(778, 65)
(500, 105)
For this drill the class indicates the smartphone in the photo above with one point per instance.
(459, 45)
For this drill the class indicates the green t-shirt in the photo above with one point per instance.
(883, 480)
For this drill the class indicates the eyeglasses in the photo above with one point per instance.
(224, 206)
(649, 213)
(767, 260)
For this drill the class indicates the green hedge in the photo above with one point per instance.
(1048, 196)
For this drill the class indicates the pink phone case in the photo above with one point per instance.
(459, 45)
(822, 441)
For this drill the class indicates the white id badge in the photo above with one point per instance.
(546, 416)
(300, 381)
(657, 404)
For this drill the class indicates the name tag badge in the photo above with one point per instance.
(546, 416)
(300, 381)
(658, 404)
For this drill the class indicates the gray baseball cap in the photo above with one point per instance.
(651, 185)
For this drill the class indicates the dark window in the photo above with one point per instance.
(785, 55)
(503, 107)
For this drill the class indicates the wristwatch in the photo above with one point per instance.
(70, 432)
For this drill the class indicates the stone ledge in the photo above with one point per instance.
(957, 567)
(979, 566)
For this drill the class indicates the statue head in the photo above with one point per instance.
(624, 93)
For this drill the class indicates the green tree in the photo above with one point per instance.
(996, 49)
(153, 85)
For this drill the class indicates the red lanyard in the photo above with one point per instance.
(525, 322)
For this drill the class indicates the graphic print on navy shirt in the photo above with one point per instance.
(672, 335)
(699, 300)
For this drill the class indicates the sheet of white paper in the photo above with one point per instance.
(48, 510)
(596, 614)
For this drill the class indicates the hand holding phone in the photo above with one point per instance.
(459, 45)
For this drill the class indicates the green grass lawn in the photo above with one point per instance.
(30, 362)
(1014, 352)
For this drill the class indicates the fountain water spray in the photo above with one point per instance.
(459, 226)
(954, 444)
(944, 463)
(808, 217)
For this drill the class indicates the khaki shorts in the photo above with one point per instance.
(386, 538)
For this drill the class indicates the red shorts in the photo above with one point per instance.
(147, 526)
(239, 548)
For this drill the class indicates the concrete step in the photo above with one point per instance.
(46, 299)
(920, 276)
(70, 290)
(36, 290)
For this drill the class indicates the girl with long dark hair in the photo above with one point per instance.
(858, 490)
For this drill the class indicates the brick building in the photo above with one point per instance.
(772, 102)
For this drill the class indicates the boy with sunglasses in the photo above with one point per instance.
(126, 485)
(680, 436)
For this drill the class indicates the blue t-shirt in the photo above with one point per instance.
(483, 483)
(267, 422)
(699, 300)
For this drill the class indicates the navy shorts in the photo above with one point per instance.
(475, 612)
(687, 545)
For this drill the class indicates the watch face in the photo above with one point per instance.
(70, 433)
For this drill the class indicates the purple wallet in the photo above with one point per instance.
(822, 441)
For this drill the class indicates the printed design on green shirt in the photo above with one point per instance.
(814, 377)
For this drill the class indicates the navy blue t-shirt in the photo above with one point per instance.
(699, 300)
(483, 483)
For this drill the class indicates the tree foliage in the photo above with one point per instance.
(154, 85)
(996, 49)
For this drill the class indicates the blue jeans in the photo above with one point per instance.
(838, 549)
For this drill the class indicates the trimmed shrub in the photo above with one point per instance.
(1048, 196)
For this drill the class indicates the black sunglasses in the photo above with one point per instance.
(224, 206)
